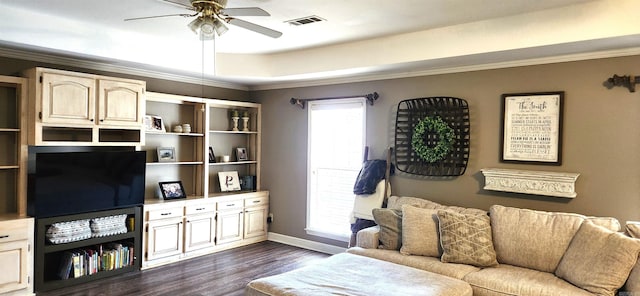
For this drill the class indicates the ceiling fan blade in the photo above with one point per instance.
(159, 16)
(245, 11)
(182, 3)
(254, 27)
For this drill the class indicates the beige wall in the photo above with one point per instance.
(601, 139)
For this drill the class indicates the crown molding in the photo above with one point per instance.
(450, 70)
(293, 82)
(85, 62)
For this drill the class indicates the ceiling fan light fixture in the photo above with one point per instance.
(220, 27)
(195, 25)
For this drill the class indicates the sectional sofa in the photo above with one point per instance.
(508, 251)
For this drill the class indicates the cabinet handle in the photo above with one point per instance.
(165, 214)
(91, 119)
(256, 201)
(101, 120)
(3, 236)
(231, 205)
(200, 209)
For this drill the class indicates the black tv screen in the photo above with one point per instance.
(78, 182)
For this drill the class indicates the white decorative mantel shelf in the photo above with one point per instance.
(531, 182)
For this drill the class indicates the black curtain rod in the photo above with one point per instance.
(303, 102)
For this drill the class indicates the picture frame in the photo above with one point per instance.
(229, 181)
(166, 154)
(154, 123)
(532, 128)
(172, 190)
(241, 154)
(212, 156)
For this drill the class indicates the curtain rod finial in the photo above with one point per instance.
(297, 102)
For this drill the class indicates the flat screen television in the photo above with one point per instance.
(65, 183)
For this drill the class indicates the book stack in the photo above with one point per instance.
(94, 259)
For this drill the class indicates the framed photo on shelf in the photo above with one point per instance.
(532, 128)
(166, 154)
(241, 154)
(212, 156)
(154, 123)
(172, 190)
(229, 181)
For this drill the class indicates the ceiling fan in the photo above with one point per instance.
(211, 16)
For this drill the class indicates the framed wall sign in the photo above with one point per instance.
(532, 128)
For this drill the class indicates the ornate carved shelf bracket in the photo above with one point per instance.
(531, 182)
(628, 81)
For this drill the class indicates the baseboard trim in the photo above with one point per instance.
(305, 244)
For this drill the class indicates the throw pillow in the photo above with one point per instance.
(633, 229)
(466, 239)
(419, 232)
(598, 260)
(390, 222)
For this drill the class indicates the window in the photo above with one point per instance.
(335, 153)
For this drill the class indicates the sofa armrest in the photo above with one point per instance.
(633, 282)
(368, 238)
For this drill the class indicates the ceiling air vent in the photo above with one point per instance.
(306, 20)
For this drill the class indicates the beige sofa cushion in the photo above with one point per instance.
(598, 260)
(390, 222)
(513, 280)
(368, 238)
(431, 264)
(419, 232)
(532, 239)
(396, 202)
(466, 239)
(633, 229)
(633, 282)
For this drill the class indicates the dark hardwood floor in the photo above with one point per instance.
(222, 273)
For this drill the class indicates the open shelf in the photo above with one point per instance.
(48, 256)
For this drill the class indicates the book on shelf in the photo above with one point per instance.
(94, 259)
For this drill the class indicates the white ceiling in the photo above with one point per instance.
(359, 37)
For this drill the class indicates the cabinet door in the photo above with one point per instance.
(14, 262)
(200, 232)
(68, 99)
(255, 222)
(164, 238)
(229, 226)
(120, 103)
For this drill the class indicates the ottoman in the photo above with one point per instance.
(349, 274)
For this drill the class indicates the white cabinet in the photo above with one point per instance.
(120, 103)
(69, 108)
(255, 217)
(163, 233)
(200, 226)
(16, 240)
(67, 99)
(230, 221)
(178, 229)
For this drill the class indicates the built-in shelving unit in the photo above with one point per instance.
(49, 257)
(209, 219)
(16, 229)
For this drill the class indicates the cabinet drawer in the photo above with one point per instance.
(256, 201)
(199, 209)
(166, 213)
(14, 230)
(229, 205)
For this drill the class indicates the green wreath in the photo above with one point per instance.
(445, 136)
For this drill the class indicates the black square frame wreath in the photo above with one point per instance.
(432, 136)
